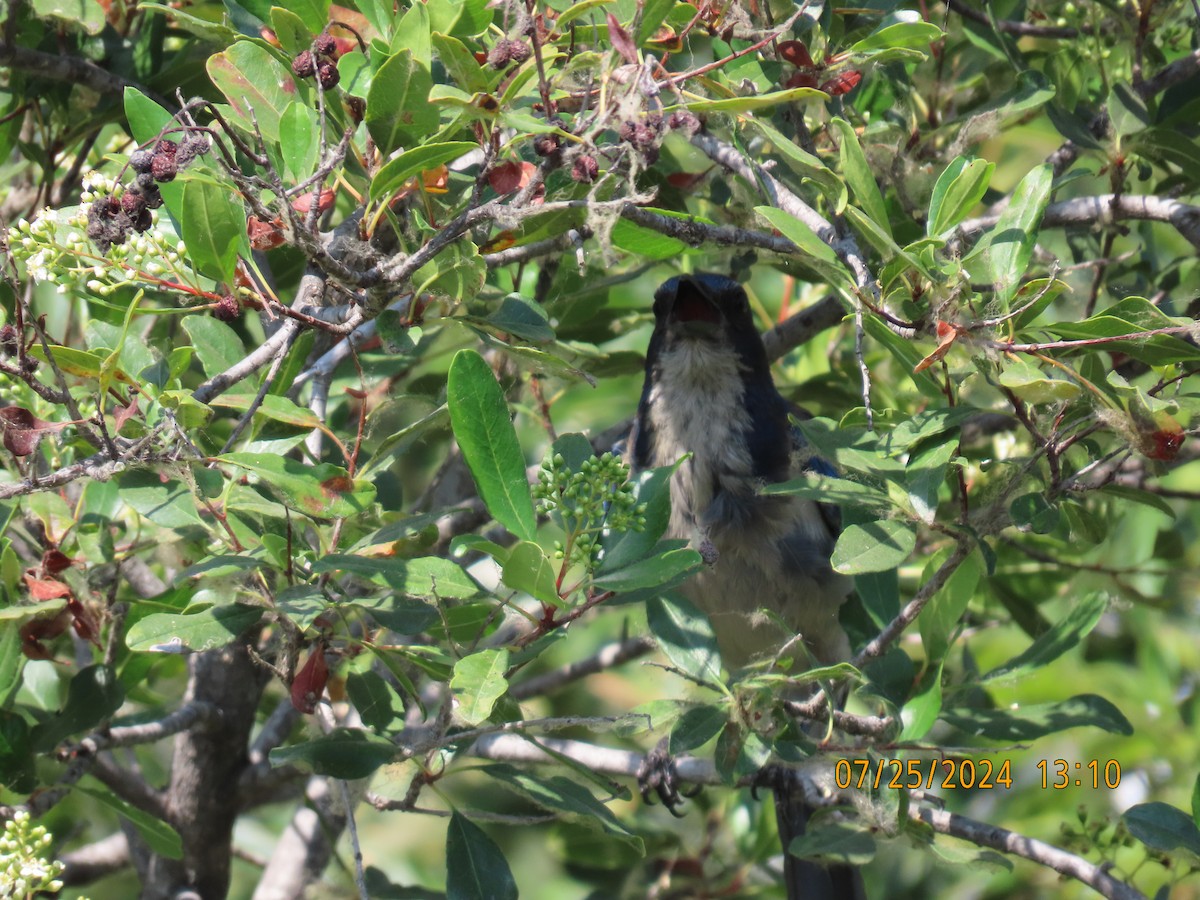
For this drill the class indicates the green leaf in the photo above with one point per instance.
(805, 165)
(1127, 110)
(921, 711)
(662, 571)
(1050, 645)
(831, 489)
(859, 175)
(528, 569)
(756, 102)
(820, 255)
(85, 14)
(1033, 721)
(412, 34)
(299, 140)
(214, 228)
(398, 108)
(460, 62)
(485, 434)
(873, 547)
(1033, 385)
(1007, 248)
(167, 504)
(458, 272)
(377, 704)
(94, 694)
(323, 491)
(1196, 801)
(1162, 827)
(913, 34)
(216, 344)
(940, 618)
(651, 487)
(346, 753)
(426, 576)
(634, 238)
(836, 842)
(522, 319)
(12, 660)
(257, 85)
(478, 682)
(398, 171)
(203, 630)
(1035, 512)
(273, 407)
(961, 185)
(696, 727)
(160, 837)
(925, 475)
(17, 772)
(685, 635)
(565, 796)
(475, 867)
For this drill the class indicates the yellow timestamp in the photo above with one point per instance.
(1058, 774)
(914, 774)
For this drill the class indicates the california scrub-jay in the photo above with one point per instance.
(709, 393)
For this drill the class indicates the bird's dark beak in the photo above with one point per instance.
(694, 310)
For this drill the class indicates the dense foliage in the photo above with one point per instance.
(320, 322)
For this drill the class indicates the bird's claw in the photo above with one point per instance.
(657, 776)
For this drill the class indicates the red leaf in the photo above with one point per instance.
(309, 683)
(22, 430)
(123, 414)
(42, 590)
(35, 631)
(84, 622)
(685, 181)
(796, 53)
(54, 561)
(264, 235)
(509, 177)
(843, 83)
(801, 79)
(621, 40)
(303, 203)
(947, 333)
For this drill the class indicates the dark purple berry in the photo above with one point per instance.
(140, 161)
(133, 203)
(164, 168)
(328, 76)
(8, 339)
(166, 148)
(507, 51)
(685, 121)
(192, 146)
(326, 45)
(545, 144)
(227, 308)
(29, 364)
(143, 221)
(585, 169)
(304, 66)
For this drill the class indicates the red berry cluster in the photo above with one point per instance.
(320, 61)
(110, 219)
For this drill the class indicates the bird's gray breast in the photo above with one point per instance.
(771, 552)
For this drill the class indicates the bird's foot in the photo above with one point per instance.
(657, 776)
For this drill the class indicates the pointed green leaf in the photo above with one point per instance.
(396, 172)
(158, 835)
(1066, 633)
(485, 434)
(961, 185)
(685, 635)
(858, 174)
(528, 569)
(478, 682)
(398, 109)
(1027, 723)
(475, 867)
(203, 630)
(873, 547)
(347, 753)
(214, 228)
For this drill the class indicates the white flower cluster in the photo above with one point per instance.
(23, 869)
(54, 249)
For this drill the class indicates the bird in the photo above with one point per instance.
(709, 396)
